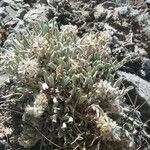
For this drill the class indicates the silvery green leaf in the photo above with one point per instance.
(25, 42)
(88, 81)
(118, 82)
(74, 79)
(52, 66)
(129, 88)
(82, 99)
(67, 80)
(61, 61)
(45, 76)
(51, 81)
(81, 77)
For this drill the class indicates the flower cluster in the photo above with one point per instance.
(69, 30)
(28, 68)
(108, 129)
(39, 106)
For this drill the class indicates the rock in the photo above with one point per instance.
(140, 51)
(8, 43)
(20, 26)
(21, 12)
(148, 3)
(134, 13)
(122, 10)
(120, 2)
(8, 2)
(2, 9)
(108, 4)
(39, 13)
(11, 12)
(11, 23)
(146, 31)
(43, 1)
(26, 6)
(18, 1)
(145, 69)
(140, 95)
(29, 1)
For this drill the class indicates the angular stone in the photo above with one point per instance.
(21, 12)
(11, 12)
(40, 13)
(140, 94)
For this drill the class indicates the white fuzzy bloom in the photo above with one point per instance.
(54, 118)
(69, 29)
(45, 86)
(40, 42)
(64, 125)
(70, 119)
(28, 68)
(55, 101)
(40, 104)
(108, 96)
(99, 10)
(105, 90)
(89, 39)
(108, 128)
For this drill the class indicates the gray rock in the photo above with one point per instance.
(2, 12)
(26, 6)
(43, 1)
(140, 51)
(146, 68)
(146, 31)
(8, 43)
(18, 1)
(2, 9)
(21, 12)
(21, 28)
(120, 2)
(20, 25)
(134, 12)
(122, 10)
(11, 12)
(141, 93)
(147, 1)
(29, 1)
(39, 13)
(8, 2)
(11, 23)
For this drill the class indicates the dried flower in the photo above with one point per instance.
(99, 10)
(41, 46)
(108, 128)
(28, 137)
(40, 104)
(69, 30)
(40, 42)
(105, 91)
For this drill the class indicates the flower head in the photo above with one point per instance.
(108, 128)
(28, 67)
(69, 30)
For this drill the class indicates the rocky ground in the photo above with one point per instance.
(128, 21)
